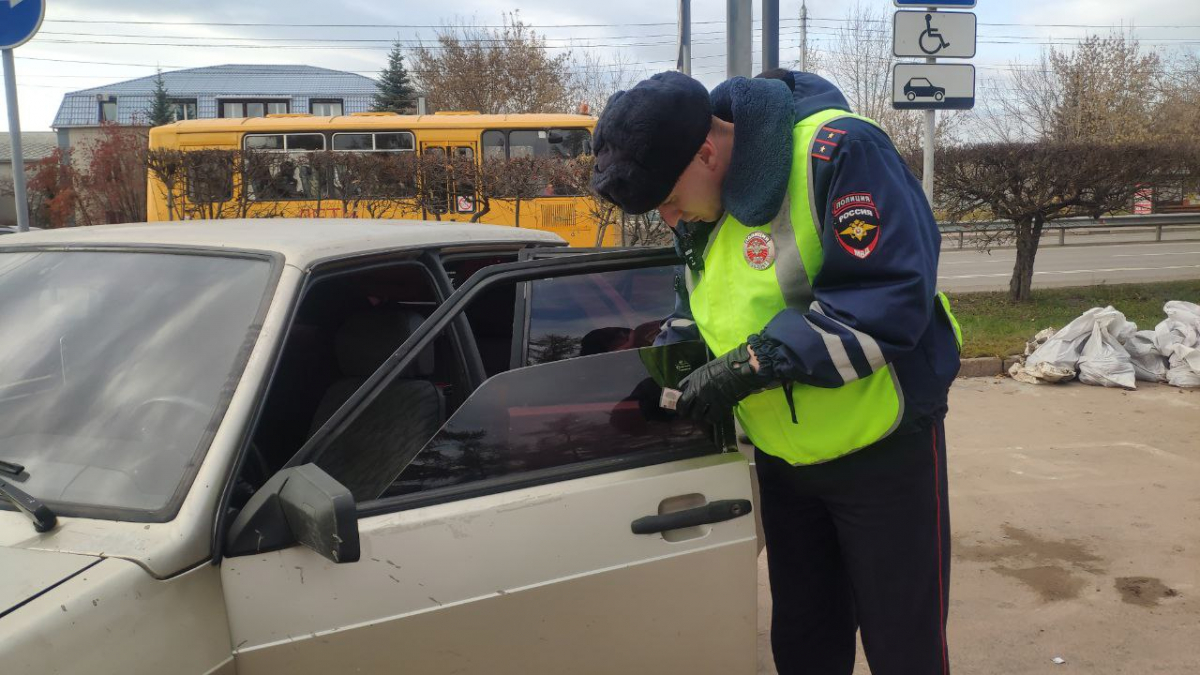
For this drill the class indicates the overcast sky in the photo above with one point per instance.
(68, 54)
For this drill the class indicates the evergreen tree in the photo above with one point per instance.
(161, 111)
(396, 93)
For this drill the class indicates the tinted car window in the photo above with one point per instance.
(597, 313)
(557, 415)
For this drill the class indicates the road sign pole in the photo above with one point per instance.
(927, 166)
(14, 127)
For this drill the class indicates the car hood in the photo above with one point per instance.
(25, 574)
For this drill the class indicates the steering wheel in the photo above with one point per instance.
(191, 405)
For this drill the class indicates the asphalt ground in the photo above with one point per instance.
(1076, 531)
(1076, 265)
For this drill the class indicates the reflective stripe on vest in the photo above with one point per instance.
(944, 303)
(730, 300)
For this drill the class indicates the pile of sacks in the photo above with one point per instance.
(1102, 347)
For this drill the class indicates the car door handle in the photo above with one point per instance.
(714, 512)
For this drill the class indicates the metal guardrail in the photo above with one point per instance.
(1156, 221)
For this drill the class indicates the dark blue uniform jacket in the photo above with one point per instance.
(876, 287)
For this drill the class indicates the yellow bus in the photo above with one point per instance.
(298, 165)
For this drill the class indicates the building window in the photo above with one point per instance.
(253, 108)
(330, 107)
(183, 109)
(108, 109)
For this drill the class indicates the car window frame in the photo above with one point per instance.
(445, 316)
(316, 273)
(519, 309)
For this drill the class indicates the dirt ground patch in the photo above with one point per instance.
(1144, 591)
(1076, 524)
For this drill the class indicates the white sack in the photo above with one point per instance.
(1178, 339)
(1104, 360)
(1149, 365)
(1058, 358)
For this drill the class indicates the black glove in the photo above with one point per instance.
(711, 391)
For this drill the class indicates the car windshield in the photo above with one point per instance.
(115, 369)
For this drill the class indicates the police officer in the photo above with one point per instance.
(811, 261)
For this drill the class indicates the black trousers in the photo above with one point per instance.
(863, 542)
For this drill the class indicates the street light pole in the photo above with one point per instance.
(804, 36)
(684, 59)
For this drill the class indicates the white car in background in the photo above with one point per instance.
(327, 446)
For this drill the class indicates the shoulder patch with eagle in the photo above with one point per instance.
(856, 223)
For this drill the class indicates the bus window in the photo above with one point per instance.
(399, 141)
(279, 166)
(436, 190)
(493, 145)
(395, 141)
(352, 142)
(305, 142)
(560, 143)
(264, 142)
(569, 143)
(525, 143)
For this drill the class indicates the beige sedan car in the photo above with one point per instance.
(288, 446)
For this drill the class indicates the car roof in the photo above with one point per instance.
(300, 240)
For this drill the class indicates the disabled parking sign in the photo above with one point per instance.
(20, 21)
(934, 35)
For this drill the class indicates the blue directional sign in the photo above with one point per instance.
(19, 21)
(925, 4)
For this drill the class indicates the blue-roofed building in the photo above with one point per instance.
(215, 91)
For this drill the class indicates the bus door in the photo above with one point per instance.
(450, 183)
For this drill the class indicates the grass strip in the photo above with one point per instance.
(994, 326)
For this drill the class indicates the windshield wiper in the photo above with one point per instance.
(11, 468)
(43, 518)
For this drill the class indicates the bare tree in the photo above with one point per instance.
(1177, 115)
(1104, 89)
(498, 71)
(1033, 184)
(596, 79)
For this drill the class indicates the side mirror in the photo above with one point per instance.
(555, 138)
(301, 504)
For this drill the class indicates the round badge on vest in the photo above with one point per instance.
(759, 250)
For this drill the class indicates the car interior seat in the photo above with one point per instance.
(406, 413)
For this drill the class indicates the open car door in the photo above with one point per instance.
(559, 521)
